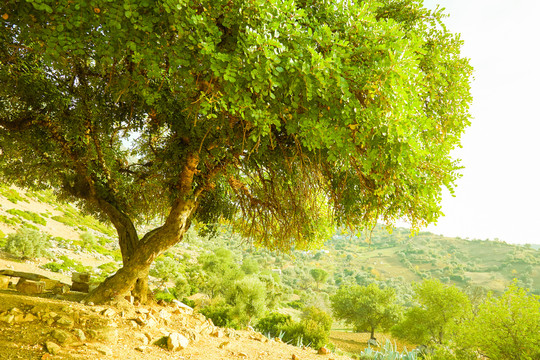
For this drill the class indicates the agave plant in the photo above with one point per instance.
(389, 352)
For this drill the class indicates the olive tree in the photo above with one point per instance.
(282, 118)
(367, 308)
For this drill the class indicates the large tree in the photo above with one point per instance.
(283, 118)
(367, 308)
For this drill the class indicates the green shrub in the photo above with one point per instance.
(88, 239)
(273, 323)
(67, 265)
(11, 194)
(10, 220)
(296, 304)
(28, 215)
(27, 243)
(165, 296)
(313, 330)
(53, 266)
(65, 220)
(108, 268)
(221, 315)
(166, 268)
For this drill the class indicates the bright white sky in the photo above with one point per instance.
(499, 193)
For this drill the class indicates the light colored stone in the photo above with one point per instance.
(164, 314)
(61, 336)
(109, 335)
(52, 347)
(30, 287)
(142, 338)
(108, 312)
(4, 282)
(104, 350)
(177, 341)
(141, 348)
(79, 334)
(7, 318)
(218, 333)
(65, 320)
(183, 307)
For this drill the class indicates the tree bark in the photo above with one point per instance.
(133, 275)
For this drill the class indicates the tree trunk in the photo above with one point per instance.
(133, 276)
(138, 255)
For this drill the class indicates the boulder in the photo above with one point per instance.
(61, 336)
(30, 287)
(4, 282)
(323, 351)
(52, 348)
(80, 277)
(177, 341)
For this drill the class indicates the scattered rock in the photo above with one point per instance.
(79, 334)
(142, 338)
(141, 348)
(61, 336)
(7, 318)
(259, 337)
(218, 333)
(224, 344)
(107, 335)
(323, 351)
(183, 307)
(164, 314)
(65, 321)
(243, 355)
(104, 350)
(108, 312)
(177, 341)
(52, 348)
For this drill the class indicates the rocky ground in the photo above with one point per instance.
(48, 326)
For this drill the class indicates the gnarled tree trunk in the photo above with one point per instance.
(133, 276)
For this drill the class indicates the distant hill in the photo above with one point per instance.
(395, 258)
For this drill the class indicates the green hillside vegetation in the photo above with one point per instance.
(276, 292)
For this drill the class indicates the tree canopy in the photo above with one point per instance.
(282, 118)
(366, 308)
(440, 309)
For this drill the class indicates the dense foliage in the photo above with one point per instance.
(27, 243)
(439, 311)
(281, 117)
(366, 308)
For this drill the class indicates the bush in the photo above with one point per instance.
(88, 239)
(28, 215)
(66, 265)
(221, 315)
(273, 323)
(27, 243)
(53, 266)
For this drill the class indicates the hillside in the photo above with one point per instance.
(82, 243)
